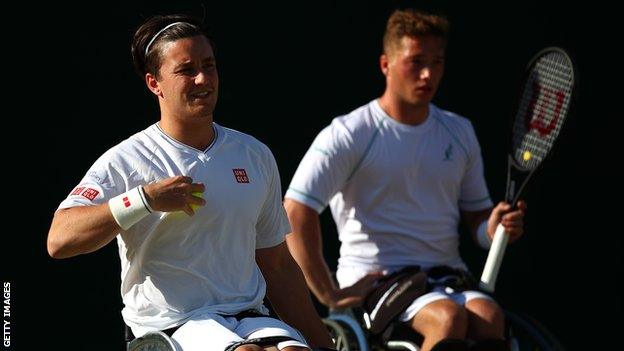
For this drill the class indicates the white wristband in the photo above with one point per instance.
(129, 207)
(482, 236)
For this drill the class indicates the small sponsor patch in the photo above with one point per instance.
(77, 190)
(126, 201)
(90, 193)
(241, 175)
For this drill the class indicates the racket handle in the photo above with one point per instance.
(494, 259)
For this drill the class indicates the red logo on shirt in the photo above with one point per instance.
(240, 175)
(126, 201)
(90, 193)
(77, 190)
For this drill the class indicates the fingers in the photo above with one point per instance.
(501, 208)
(197, 187)
(195, 201)
(511, 218)
(177, 193)
(514, 221)
(188, 210)
(521, 205)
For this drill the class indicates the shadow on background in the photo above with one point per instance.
(286, 70)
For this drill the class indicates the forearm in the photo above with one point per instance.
(291, 300)
(315, 270)
(80, 230)
(305, 245)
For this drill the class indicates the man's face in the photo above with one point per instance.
(188, 82)
(415, 68)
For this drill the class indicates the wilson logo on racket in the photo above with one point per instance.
(535, 121)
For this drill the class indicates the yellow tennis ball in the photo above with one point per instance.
(526, 155)
(196, 194)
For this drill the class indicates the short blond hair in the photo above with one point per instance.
(413, 23)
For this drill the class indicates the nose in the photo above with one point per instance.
(201, 78)
(425, 73)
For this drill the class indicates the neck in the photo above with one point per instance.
(198, 133)
(404, 112)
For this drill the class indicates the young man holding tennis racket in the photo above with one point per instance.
(196, 209)
(398, 174)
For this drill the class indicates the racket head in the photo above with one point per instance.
(548, 91)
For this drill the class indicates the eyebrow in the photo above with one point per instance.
(428, 56)
(186, 63)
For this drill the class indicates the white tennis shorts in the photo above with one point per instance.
(210, 331)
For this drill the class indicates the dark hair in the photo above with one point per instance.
(412, 23)
(150, 62)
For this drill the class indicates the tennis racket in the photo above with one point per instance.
(545, 101)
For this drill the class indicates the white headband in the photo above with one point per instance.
(157, 34)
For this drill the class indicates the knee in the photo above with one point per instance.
(487, 311)
(249, 348)
(451, 316)
(443, 317)
(487, 320)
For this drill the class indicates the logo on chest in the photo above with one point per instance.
(448, 153)
(240, 175)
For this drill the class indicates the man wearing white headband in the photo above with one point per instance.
(196, 209)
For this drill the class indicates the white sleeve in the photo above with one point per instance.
(325, 167)
(474, 194)
(100, 184)
(272, 223)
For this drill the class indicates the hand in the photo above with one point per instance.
(355, 294)
(174, 194)
(513, 221)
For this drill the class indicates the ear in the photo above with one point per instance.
(383, 64)
(152, 84)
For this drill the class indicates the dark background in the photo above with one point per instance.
(286, 70)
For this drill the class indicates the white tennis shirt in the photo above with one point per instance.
(395, 190)
(174, 266)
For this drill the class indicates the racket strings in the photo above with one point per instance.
(543, 106)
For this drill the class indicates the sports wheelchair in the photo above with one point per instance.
(162, 341)
(347, 329)
(153, 341)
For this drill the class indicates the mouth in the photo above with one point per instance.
(424, 89)
(201, 94)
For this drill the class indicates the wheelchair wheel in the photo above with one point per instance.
(156, 341)
(342, 334)
(526, 333)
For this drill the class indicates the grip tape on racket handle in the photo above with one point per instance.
(494, 259)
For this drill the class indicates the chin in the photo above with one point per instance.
(419, 102)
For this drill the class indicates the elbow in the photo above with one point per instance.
(57, 248)
(58, 242)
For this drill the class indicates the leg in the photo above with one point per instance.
(211, 329)
(485, 319)
(438, 320)
(486, 325)
(266, 327)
